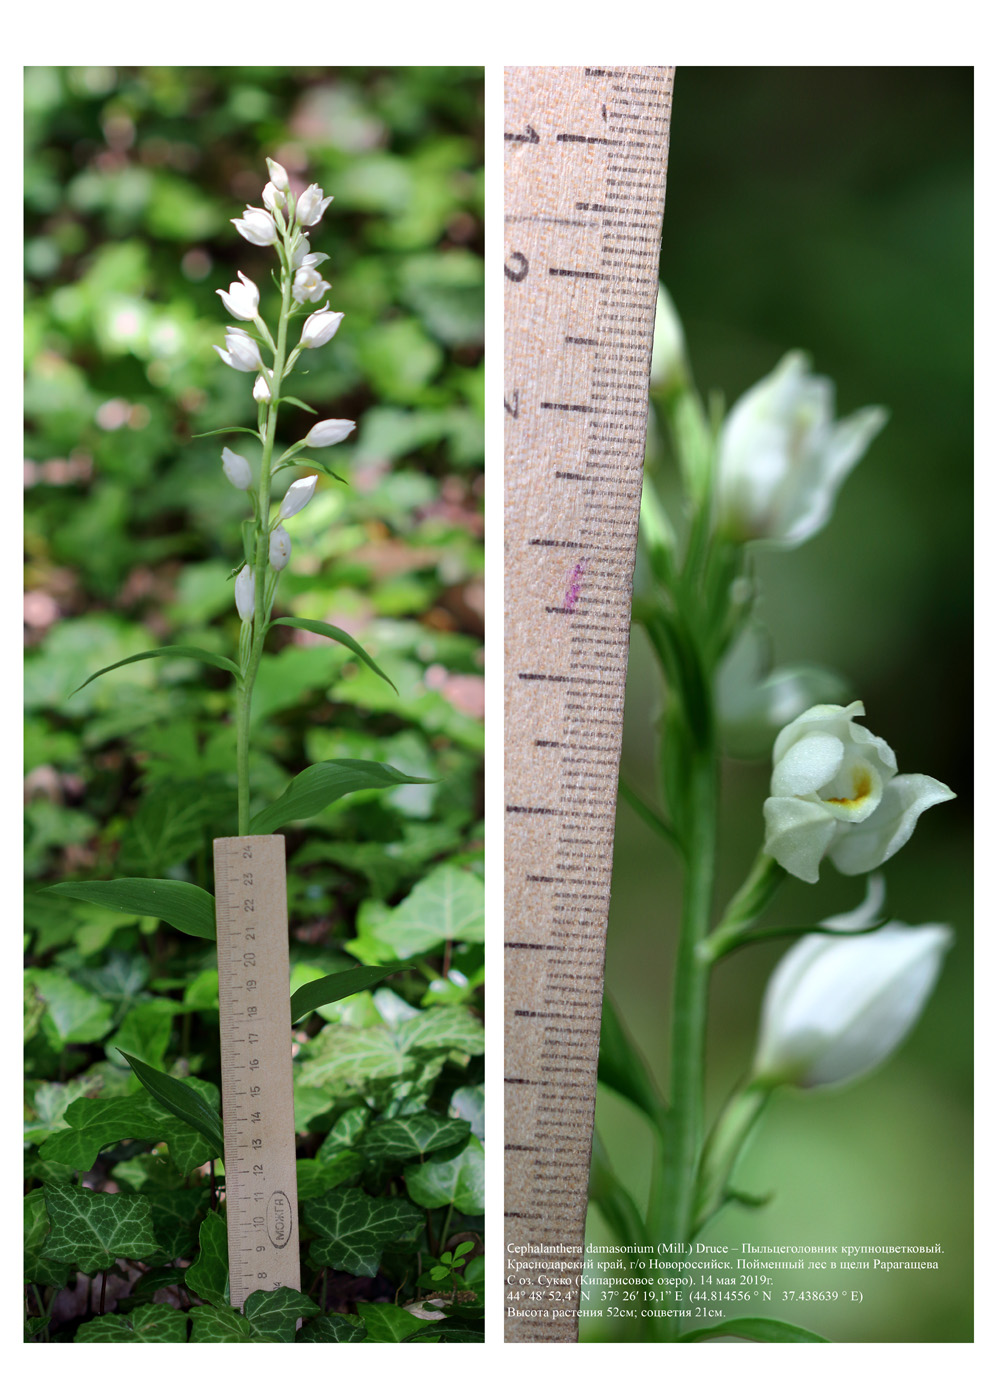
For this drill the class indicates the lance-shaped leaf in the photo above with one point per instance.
(273, 1315)
(186, 907)
(91, 1229)
(308, 462)
(336, 634)
(353, 1229)
(757, 1329)
(336, 986)
(182, 1100)
(154, 1322)
(621, 1066)
(218, 432)
(323, 783)
(210, 658)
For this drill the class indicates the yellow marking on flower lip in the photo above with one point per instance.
(862, 789)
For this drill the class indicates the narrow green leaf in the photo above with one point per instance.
(216, 432)
(336, 634)
(287, 398)
(181, 1100)
(338, 985)
(310, 462)
(210, 658)
(622, 1068)
(757, 1329)
(323, 783)
(186, 907)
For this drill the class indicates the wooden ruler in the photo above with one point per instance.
(256, 1064)
(585, 168)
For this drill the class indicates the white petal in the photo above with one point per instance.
(861, 848)
(798, 834)
(808, 765)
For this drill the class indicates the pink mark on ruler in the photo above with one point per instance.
(574, 585)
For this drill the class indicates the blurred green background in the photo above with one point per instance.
(832, 210)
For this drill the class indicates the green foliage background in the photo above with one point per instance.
(831, 210)
(131, 178)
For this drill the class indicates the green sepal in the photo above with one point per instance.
(180, 1099)
(336, 634)
(756, 1329)
(186, 907)
(210, 658)
(337, 986)
(322, 783)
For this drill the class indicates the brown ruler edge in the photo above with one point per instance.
(256, 1064)
(585, 174)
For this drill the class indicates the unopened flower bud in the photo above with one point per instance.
(279, 176)
(279, 547)
(241, 352)
(241, 301)
(257, 227)
(329, 432)
(311, 205)
(244, 593)
(320, 327)
(299, 494)
(261, 392)
(236, 469)
(272, 198)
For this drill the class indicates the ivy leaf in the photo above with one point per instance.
(91, 1229)
(37, 1269)
(443, 1028)
(181, 1100)
(336, 986)
(336, 634)
(154, 1322)
(399, 1139)
(454, 1178)
(210, 658)
(332, 1327)
(209, 1277)
(186, 907)
(387, 1322)
(273, 1314)
(316, 787)
(219, 1324)
(757, 1329)
(353, 1229)
(315, 1176)
(448, 905)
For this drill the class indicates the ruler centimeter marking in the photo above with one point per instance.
(585, 171)
(256, 1064)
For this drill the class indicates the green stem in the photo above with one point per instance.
(245, 687)
(685, 1120)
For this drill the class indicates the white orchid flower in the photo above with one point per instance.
(257, 226)
(836, 1007)
(241, 300)
(299, 494)
(781, 457)
(311, 206)
(236, 469)
(329, 432)
(835, 791)
(320, 327)
(241, 353)
(244, 593)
